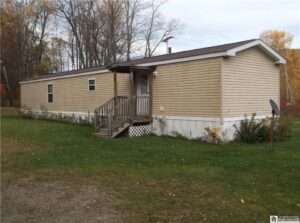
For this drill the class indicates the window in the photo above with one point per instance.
(144, 84)
(92, 85)
(50, 93)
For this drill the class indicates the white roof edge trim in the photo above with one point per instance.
(265, 47)
(66, 76)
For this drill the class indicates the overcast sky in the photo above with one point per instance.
(214, 22)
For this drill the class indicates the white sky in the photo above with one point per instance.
(214, 22)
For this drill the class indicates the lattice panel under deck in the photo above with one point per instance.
(139, 130)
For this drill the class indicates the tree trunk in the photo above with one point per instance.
(10, 96)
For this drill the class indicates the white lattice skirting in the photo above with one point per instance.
(139, 130)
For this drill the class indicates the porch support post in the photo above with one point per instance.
(115, 93)
(131, 95)
(150, 93)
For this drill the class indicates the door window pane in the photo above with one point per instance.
(144, 84)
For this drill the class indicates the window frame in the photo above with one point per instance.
(52, 94)
(88, 84)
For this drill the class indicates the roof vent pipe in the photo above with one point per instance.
(169, 50)
(166, 40)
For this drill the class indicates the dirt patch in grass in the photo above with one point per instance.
(29, 197)
(10, 146)
(28, 200)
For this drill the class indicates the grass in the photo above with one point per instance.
(162, 179)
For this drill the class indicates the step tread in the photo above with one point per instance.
(117, 129)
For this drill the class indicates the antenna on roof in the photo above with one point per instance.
(166, 40)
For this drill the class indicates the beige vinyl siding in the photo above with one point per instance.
(72, 94)
(250, 80)
(123, 84)
(190, 89)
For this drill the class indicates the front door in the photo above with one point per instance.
(143, 95)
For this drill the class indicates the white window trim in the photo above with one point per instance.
(48, 92)
(88, 84)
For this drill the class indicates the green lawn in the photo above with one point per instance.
(162, 179)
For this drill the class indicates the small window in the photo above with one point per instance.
(50, 93)
(92, 85)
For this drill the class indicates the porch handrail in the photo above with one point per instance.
(119, 114)
(101, 114)
(119, 110)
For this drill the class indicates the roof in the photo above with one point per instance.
(229, 49)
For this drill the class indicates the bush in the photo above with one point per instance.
(283, 129)
(258, 131)
(252, 130)
(295, 109)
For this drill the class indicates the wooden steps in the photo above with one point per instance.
(104, 132)
(117, 114)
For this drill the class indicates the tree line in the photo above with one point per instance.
(46, 36)
(290, 73)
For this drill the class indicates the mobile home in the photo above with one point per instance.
(176, 93)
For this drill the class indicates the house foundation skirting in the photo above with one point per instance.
(189, 127)
(75, 117)
(194, 127)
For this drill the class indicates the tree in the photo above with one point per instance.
(24, 28)
(157, 29)
(113, 33)
(278, 40)
(98, 32)
(290, 75)
(55, 54)
(108, 31)
(70, 11)
(293, 69)
(133, 23)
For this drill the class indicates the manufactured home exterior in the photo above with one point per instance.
(179, 93)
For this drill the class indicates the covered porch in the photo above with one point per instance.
(123, 111)
(141, 79)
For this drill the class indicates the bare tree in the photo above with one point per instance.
(100, 32)
(42, 10)
(157, 29)
(112, 32)
(132, 23)
(70, 11)
(56, 54)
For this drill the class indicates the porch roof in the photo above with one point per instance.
(129, 68)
